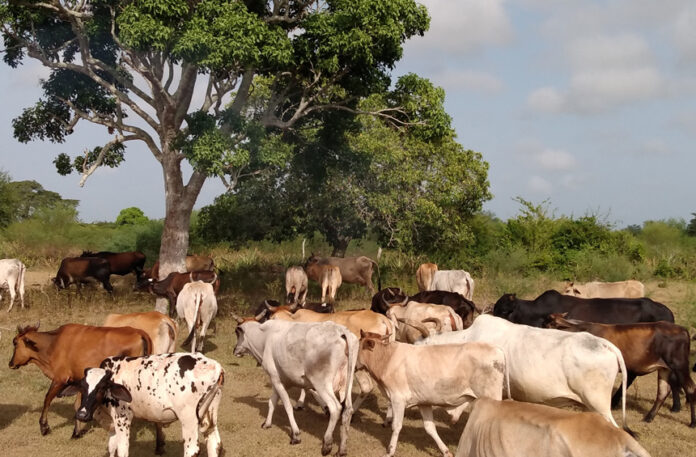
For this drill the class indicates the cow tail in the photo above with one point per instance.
(207, 399)
(147, 343)
(352, 353)
(198, 300)
(171, 331)
(379, 278)
(19, 287)
(622, 367)
(507, 376)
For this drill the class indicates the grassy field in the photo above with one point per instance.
(246, 390)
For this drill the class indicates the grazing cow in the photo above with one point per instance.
(161, 328)
(458, 281)
(193, 263)
(171, 286)
(424, 276)
(12, 278)
(597, 289)
(646, 347)
(386, 298)
(318, 356)
(449, 376)
(550, 366)
(330, 282)
(63, 354)
(420, 320)
(295, 285)
(160, 388)
(354, 270)
(517, 429)
(121, 263)
(197, 304)
(76, 270)
(605, 310)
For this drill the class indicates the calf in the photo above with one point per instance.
(170, 286)
(159, 388)
(420, 320)
(295, 285)
(161, 328)
(12, 278)
(450, 376)
(646, 347)
(76, 270)
(63, 354)
(197, 304)
(424, 276)
(330, 282)
(517, 429)
(121, 263)
(318, 356)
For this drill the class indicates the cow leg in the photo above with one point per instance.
(329, 399)
(662, 393)
(119, 436)
(429, 425)
(107, 286)
(209, 427)
(302, 297)
(285, 398)
(204, 328)
(53, 390)
(11, 286)
(272, 402)
(80, 427)
(189, 433)
(159, 440)
(676, 386)
(301, 400)
(323, 292)
(172, 304)
(398, 409)
(616, 398)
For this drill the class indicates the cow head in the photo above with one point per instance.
(25, 347)
(505, 306)
(143, 284)
(572, 289)
(58, 282)
(557, 321)
(96, 385)
(368, 342)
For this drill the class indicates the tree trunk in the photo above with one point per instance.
(340, 245)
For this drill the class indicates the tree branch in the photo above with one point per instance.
(87, 172)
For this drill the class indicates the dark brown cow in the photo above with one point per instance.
(193, 263)
(393, 296)
(121, 263)
(76, 270)
(64, 353)
(354, 270)
(170, 286)
(646, 347)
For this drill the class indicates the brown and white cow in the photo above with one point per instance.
(12, 278)
(330, 282)
(424, 276)
(448, 376)
(63, 354)
(161, 328)
(597, 289)
(354, 270)
(295, 285)
(516, 429)
(420, 320)
(198, 306)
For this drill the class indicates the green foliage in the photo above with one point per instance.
(31, 196)
(8, 200)
(691, 228)
(131, 216)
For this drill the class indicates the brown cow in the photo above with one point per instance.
(424, 276)
(170, 286)
(63, 354)
(193, 263)
(161, 328)
(121, 263)
(354, 270)
(76, 270)
(646, 347)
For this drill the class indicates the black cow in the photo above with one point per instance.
(121, 263)
(602, 310)
(386, 298)
(76, 270)
(393, 296)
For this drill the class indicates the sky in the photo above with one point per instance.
(588, 105)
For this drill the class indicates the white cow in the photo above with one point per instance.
(597, 289)
(158, 388)
(12, 278)
(318, 356)
(295, 285)
(458, 281)
(420, 320)
(197, 304)
(550, 366)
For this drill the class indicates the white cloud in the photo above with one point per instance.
(685, 34)
(555, 159)
(539, 185)
(546, 99)
(476, 81)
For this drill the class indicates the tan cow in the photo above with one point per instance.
(516, 429)
(420, 320)
(424, 276)
(354, 270)
(330, 282)
(449, 376)
(161, 328)
(597, 289)
(295, 285)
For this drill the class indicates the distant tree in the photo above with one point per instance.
(8, 200)
(131, 216)
(31, 196)
(691, 228)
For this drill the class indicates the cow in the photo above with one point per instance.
(449, 376)
(354, 270)
(317, 356)
(517, 429)
(170, 286)
(161, 328)
(76, 270)
(604, 310)
(159, 388)
(356, 320)
(121, 263)
(330, 282)
(295, 285)
(646, 347)
(63, 354)
(386, 298)
(465, 308)
(196, 303)
(550, 366)
(597, 289)
(424, 276)
(12, 278)
(193, 263)
(458, 281)
(420, 320)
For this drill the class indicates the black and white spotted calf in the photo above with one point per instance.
(158, 388)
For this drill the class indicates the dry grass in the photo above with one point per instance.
(246, 389)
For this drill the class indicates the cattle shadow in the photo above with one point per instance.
(9, 413)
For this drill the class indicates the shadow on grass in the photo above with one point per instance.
(10, 413)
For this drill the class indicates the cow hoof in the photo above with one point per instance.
(675, 409)
(692, 425)
(45, 429)
(159, 450)
(299, 408)
(295, 440)
(78, 435)
(648, 419)
(265, 426)
(326, 449)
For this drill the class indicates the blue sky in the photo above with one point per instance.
(589, 104)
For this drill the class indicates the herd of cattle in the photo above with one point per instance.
(432, 349)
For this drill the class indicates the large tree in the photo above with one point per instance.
(135, 67)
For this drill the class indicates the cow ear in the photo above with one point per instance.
(69, 390)
(576, 291)
(369, 344)
(362, 333)
(119, 392)
(564, 315)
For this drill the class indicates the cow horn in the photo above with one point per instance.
(19, 329)
(390, 291)
(237, 318)
(436, 321)
(260, 315)
(424, 331)
(270, 307)
(294, 306)
(37, 324)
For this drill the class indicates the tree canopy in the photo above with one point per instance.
(131, 216)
